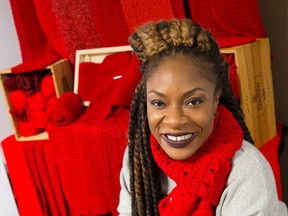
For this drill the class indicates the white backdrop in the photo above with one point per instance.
(9, 56)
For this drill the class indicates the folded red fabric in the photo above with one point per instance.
(112, 67)
(123, 91)
(65, 110)
(88, 82)
(35, 50)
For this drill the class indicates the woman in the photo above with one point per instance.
(189, 150)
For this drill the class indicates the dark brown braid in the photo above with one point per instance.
(153, 43)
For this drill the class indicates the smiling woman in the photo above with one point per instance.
(189, 150)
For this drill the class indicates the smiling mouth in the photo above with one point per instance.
(179, 140)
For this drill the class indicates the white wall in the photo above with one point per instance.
(9, 56)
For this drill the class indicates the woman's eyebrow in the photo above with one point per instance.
(193, 91)
(156, 92)
(184, 95)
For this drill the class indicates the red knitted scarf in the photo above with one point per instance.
(201, 178)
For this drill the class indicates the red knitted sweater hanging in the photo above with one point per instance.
(201, 178)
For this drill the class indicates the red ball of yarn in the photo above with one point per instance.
(37, 101)
(27, 129)
(37, 117)
(47, 86)
(18, 99)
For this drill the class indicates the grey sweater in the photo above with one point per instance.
(250, 189)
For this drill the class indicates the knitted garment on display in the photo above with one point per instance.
(138, 12)
(231, 22)
(35, 50)
(201, 178)
(110, 22)
(76, 26)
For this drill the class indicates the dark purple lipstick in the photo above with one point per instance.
(178, 140)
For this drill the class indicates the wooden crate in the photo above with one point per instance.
(264, 89)
(245, 72)
(63, 81)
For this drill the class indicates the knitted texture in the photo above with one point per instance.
(110, 22)
(45, 180)
(48, 22)
(21, 180)
(270, 151)
(76, 25)
(101, 147)
(33, 42)
(107, 91)
(240, 17)
(89, 74)
(63, 165)
(29, 154)
(65, 110)
(138, 12)
(201, 178)
(231, 22)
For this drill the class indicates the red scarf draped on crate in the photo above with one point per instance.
(201, 178)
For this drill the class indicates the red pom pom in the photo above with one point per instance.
(47, 86)
(27, 129)
(37, 117)
(37, 101)
(18, 99)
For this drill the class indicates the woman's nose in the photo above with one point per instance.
(174, 116)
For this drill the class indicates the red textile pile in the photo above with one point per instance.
(28, 95)
(52, 29)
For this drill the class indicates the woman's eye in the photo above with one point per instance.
(194, 102)
(157, 103)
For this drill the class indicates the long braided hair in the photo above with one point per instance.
(154, 42)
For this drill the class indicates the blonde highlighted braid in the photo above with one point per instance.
(153, 43)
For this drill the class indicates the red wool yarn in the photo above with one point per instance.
(37, 101)
(18, 99)
(37, 117)
(47, 86)
(26, 129)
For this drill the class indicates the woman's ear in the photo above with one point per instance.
(217, 96)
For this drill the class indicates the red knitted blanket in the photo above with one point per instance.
(201, 178)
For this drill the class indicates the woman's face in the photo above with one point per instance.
(181, 103)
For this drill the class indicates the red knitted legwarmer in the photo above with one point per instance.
(201, 178)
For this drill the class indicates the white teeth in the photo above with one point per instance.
(179, 138)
